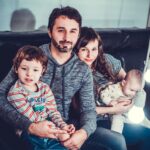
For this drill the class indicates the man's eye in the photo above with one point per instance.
(73, 31)
(60, 31)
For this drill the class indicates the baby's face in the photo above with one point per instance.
(130, 88)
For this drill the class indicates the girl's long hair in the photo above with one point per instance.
(100, 64)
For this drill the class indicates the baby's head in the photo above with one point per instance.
(132, 82)
(30, 63)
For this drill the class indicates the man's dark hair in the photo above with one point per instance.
(67, 11)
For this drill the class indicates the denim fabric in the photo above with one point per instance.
(36, 143)
(105, 139)
(137, 136)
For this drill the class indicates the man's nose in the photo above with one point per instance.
(67, 36)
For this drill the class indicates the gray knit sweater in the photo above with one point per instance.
(65, 80)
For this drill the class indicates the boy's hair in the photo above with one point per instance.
(67, 11)
(135, 74)
(30, 53)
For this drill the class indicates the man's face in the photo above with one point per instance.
(64, 34)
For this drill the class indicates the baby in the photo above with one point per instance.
(124, 90)
(31, 97)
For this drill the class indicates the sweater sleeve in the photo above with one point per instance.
(7, 112)
(114, 63)
(87, 104)
(52, 111)
(18, 100)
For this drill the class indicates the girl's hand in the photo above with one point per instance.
(122, 107)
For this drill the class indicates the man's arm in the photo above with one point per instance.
(87, 114)
(51, 108)
(7, 112)
(87, 104)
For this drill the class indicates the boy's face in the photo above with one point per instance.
(29, 72)
(131, 87)
(64, 34)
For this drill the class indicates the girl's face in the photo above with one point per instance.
(29, 72)
(89, 53)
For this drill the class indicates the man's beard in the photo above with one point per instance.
(64, 49)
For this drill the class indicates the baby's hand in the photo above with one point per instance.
(69, 128)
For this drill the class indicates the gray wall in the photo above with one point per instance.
(97, 14)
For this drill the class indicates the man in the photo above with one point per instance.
(67, 71)
(66, 75)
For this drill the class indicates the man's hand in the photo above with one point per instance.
(45, 129)
(76, 140)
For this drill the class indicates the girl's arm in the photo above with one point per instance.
(119, 108)
(121, 75)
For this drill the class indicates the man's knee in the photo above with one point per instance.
(108, 139)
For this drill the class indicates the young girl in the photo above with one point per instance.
(106, 69)
(33, 98)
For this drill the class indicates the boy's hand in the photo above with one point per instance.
(69, 128)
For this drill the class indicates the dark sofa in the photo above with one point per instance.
(128, 45)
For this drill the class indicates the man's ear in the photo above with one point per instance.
(79, 35)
